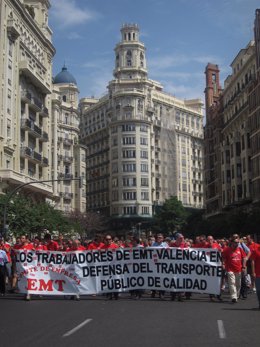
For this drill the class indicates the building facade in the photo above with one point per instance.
(254, 115)
(143, 145)
(212, 140)
(31, 130)
(232, 154)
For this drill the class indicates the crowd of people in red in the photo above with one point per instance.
(240, 257)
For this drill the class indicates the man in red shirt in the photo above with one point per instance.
(255, 257)
(51, 245)
(76, 246)
(252, 246)
(108, 244)
(96, 243)
(37, 245)
(235, 262)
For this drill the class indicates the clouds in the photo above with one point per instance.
(67, 14)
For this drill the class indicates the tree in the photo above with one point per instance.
(87, 223)
(24, 216)
(172, 216)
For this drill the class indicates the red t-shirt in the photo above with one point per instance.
(7, 248)
(40, 248)
(111, 246)
(181, 245)
(52, 246)
(253, 246)
(29, 246)
(256, 257)
(233, 259)
(215, 245)
(94, 245)
(79, 248)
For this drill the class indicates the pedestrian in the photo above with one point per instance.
(255, 258)
(3, 262)
(109, 244)
(234, 259)
(159, 243)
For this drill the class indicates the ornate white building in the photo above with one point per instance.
(144, 145)
(33, 138)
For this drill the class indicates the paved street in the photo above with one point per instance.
(95, 321)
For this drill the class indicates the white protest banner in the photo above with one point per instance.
(119, 270)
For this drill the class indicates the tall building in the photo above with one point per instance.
(37, 137)
(254, 114)
(236, 149)
(212, 141)
(144, 145)
(232, 131)
(68, 156)
(25, 103)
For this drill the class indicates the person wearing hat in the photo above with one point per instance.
(234, 260)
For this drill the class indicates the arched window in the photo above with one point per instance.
(141, 59)
(64, 98)
(129, 58)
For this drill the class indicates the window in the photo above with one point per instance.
(129, 182)
(128, 127)
(129, 195)
(145, 210)
(144, 154)
(144, 181)
(129, 167)
(129, 210)
(129, 140)
(129, 154)
(129, 57)
(144, 128)
(144, 195)
(144, 141)
(144, 167)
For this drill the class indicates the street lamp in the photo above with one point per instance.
(11, 194)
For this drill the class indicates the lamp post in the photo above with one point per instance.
(11, 194)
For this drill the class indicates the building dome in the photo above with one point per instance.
(64, 77)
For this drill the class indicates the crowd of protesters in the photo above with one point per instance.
(240, 259)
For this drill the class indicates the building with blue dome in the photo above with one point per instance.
(64, 77)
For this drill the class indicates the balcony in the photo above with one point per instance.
(66, 195)
(44, 137)
(45, 161)
(67, 142)
(67, 159)
(31, 154)
(37, 156)
(36, 104)
(33, 73)
(68, 176)
(26, 96)
(44, 111)
(29, 125)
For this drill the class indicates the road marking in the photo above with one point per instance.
(72, 331)
(221, 329)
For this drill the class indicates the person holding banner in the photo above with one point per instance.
(96, 243)
(159, 243)
(108, 244)
(51, 245)
(235, 262)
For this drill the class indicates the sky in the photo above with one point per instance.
(181, 37)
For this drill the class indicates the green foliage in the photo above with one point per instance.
(24, 216)
(171, 216)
